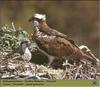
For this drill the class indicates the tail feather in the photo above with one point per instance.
(87, 57)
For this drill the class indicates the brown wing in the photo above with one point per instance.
(55, 46)
(50, 31)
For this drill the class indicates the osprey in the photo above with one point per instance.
(26, 54)
(55, 44)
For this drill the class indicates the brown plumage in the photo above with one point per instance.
(54, 43)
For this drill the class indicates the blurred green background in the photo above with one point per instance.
(77, 19)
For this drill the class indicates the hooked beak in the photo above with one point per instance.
(31, 19)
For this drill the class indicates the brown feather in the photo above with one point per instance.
(58, 44)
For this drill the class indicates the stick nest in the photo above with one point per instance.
(12, 66)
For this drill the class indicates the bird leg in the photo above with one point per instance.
(51, 58)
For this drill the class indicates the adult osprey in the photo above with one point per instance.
(55, 44)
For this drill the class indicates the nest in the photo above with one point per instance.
(13, 67)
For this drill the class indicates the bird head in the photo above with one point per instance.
(24, 44)
(37, 18)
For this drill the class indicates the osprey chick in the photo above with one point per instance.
(55, 44)
(26, 54)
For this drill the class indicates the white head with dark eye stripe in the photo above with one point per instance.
(37, 18)
(40, 16)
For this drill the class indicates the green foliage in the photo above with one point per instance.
(10, 38)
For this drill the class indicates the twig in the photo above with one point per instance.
(13, 26)
(77, 72)
(35, 71)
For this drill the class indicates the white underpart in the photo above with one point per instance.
(27, 55)
(40, 16)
